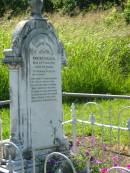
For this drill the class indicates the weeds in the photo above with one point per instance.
(97, 48)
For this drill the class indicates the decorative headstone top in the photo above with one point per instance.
(36, 6)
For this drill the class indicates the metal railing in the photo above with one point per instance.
(4, 103)
(118, 168)
(10, 162)
(60, 155)
(88, 95)
(82, 95)
(92, 123)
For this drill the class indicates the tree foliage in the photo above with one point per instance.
(16, 6)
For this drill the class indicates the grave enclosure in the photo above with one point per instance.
(35, 60)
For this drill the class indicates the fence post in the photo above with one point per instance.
(1, 138)
(34, 161)
(128, 126)
(61, 155)
(10, 164)
(19, 152)
(74, 121)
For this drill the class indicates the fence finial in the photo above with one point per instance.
(92, 118)
(128, 124)
(74, 126)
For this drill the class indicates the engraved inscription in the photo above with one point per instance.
(43, 80)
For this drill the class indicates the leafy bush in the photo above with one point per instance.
(69, 6)
(115, 17)
(17, 6)
(127, 11)
(57, 4)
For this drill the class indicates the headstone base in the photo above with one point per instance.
(35, 161)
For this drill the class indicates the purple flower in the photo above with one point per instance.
(51, 161)
(122, 171)
(103, 170)
(87, 153)
(104, 147)
(70, 144)
(98, 162)
(115, 160)
(92, 139)
(78, 142)
(128, 166)
(92, 159)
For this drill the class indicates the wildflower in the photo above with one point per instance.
(92, 140)
(104, 147)
(78, 142)
(98, 162)
(70, 144)
(128, 166)
(103, 170)
(87, 153)
(115, 160)
(92, 159)
(122, 171)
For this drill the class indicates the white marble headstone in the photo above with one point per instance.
(35, 61)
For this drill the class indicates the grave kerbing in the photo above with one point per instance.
(35, 59)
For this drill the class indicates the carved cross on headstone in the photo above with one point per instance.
(36, 6)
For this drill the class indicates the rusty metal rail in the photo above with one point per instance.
(87, 95)
(82, 95)
(4, 103)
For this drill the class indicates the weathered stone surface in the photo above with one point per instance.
(35, 59)
(35, 84)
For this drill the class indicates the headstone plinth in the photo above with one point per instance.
(35, 60)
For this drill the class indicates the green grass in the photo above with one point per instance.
(98, 60)
(97, 48)
(4, 114)
(83, 113)
(110, 108)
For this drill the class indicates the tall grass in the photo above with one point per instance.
(97, 65)
(4, 43)
(97, 53)
(4, 114)
(97, 48)
(7, 26)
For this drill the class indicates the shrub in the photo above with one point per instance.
(17, 6)
(127, 11)
(57, 4)
(115, 17)
(69, 6)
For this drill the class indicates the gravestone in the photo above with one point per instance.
(35, 60)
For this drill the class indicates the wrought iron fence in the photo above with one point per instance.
(93, 129)
(111, 137)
